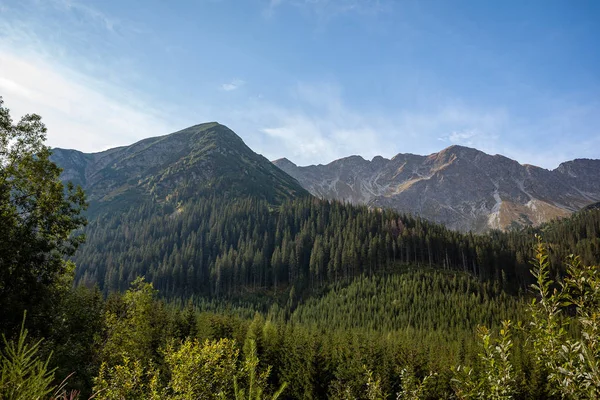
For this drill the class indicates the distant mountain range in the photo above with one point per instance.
(461, 187)
(201, 159)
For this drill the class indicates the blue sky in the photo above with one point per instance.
(312, 80)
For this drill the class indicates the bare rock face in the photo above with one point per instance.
(461, 187)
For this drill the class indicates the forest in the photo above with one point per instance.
(215, 246)
(214, 297)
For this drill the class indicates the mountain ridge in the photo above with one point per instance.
(461, 187)
(201, 158)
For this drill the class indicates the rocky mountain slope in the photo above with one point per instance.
(200, 159)
(461, 187)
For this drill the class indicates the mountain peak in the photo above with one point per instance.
(210, 130)
(461, 151)
(195, 129)
(204, 125)
(284, 163)
(350, 160)
(202, 158)
(379, 159)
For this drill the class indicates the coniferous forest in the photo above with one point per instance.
(231, 297)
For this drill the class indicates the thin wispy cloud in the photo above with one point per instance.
(65, 31)
(325, 9)
(86, 12)
(318, 128)
(233, 85)
(42, 75)
(459, 137)
(77, 113)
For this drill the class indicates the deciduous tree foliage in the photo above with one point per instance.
(38, 215)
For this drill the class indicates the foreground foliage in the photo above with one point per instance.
(23, 375)
(573, 363)
(569, 362)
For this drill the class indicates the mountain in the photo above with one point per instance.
(205, 158)
(461, 187)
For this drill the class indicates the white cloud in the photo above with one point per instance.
(82, 107)
(233, 85)
(78, 112)
(472, 137)
(318, 128)
(302, 138)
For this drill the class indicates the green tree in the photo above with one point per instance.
(75, 337)
(23, 376)
(257, 386)
(135, 326)
(569, 362)
(38, 216)
(412, 387)
(496, 378)
(202, 371)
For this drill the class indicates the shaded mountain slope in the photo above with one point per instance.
(205, 158)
